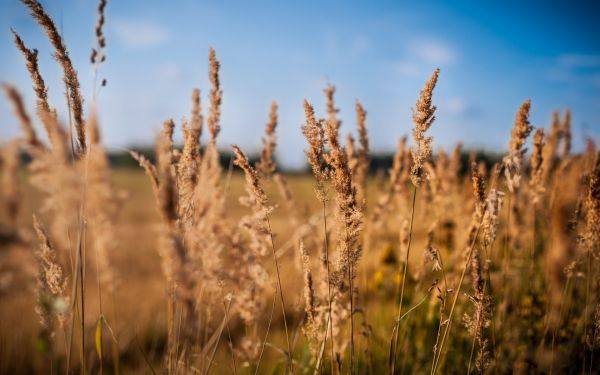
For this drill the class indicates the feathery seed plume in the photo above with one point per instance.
(513, 161)
(266, 165)
(98, 55)
(315, 136)
(21, 113)
(537, 163)
(362, 164)
(215, 96)
(423, 117)
(70, 75)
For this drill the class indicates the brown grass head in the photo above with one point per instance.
(522, 127)
(19, 108)
(423, 117)
(52, 281)
(70, 74)
(266, 164)
(330, 108)
(513, 161)
(167, 197)
(10, 160)
(31, 61)
(537, 163)
(566, 134)
(98, 55)
(215, 96)
(592, 209)
(315, 136)
(253, 183)
(363, 160)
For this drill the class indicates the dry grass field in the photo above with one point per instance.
(183, 266)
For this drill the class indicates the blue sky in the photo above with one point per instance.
(492, 55)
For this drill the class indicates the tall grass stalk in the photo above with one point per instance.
(436, 358)
(285, 326)
(396, 330)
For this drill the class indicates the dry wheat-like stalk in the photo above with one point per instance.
(45, 113)
(51, 283)
(31, 61)
(550, 149)
(351, 154)
(253, 183)
(70, 74)
(262, 209)
(11, 193)
(473, 231)
(481, 316)
(491, 218)
(537, 163)
(349, 216)
(215, 96)
(98, 56)
(312, 327)
(102, 205)
(566, 134)
(266, 165)
(592, 209)
(315, 136)
(362, 163)
(349, 224)
(188, 167)
(174, 253)
(149, 168)
(331, 110)
(59, 179)
(423, 117)
(513, 161)
(19, 108)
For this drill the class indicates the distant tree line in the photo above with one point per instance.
(381, 161)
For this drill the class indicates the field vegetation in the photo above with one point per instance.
(442, 263)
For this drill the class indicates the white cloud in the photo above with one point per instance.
(579, 61)
(576, 69)
(407, 68)
(169, 71)
(139, 33)
(433, 52)
(455, 106)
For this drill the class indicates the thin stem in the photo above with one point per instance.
(488, 282)
(560, 314)
(322, 351)
(212, 356)
(262, 349)
(329, 328)
(226, 309)
(587, 299)
(81, 271)
(287, 337)
(471, 356)
(456, 294)
(350, 282)
(397, 325)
